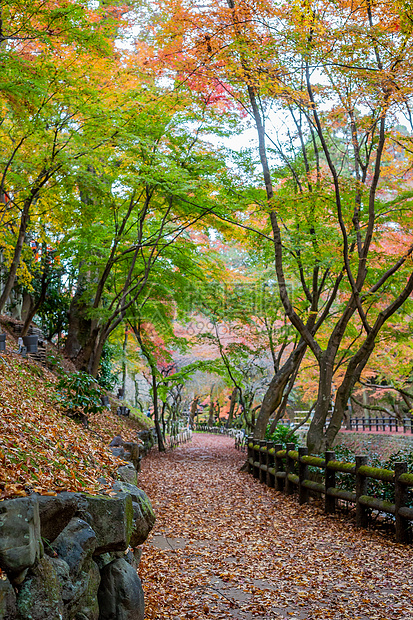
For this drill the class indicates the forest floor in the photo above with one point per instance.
(225, 546)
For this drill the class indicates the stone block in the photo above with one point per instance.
(76, 545)
(40, 595)
(120, 593)
(8, 609)
(20, 539)
(127, 473)
(55, 513)
(112, 520)
(143, 514)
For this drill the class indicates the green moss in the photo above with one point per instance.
(347, 468)
(407, 479)
(377, 504)
(315, 461)
(386, 475)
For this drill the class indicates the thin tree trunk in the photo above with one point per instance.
(11, 276)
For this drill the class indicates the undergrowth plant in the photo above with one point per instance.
(80, 394)
(282, 434)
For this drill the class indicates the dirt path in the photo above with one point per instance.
(225, 546)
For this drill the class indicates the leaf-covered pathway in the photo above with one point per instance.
(225, 546)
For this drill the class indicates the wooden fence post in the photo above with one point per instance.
(330, 483)
(278, 466)
(250, 454)
(400, 497)
(361, 489)
(256, 458)
(289, 469)
(270, 464)
(303, 493)
(263, 460)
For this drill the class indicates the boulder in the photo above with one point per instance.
(143, 514)
(8, 609)
(40, 595)
(133, 557)
(120, 593)
(112, 521)
(67, 589)
(55, 513)
(87, 606)
(20, 540)
(116, 441)
(132, 453)
(75, 545)
(118, 451)
(127, 473)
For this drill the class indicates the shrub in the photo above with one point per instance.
(282, 434)
(80, 394)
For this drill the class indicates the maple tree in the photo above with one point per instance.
(50, 112)
(342, 76)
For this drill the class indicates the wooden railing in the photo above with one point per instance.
(287, 470)
(392, 425)
(183, 436)
(238, 434)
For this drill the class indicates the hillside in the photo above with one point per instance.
(41, 449)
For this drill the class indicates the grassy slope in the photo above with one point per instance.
(43, 450)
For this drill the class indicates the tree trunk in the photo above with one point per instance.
(234, 397)
(193, 412)
(316, 440)
(11, 276)
(35, 306)
(274, 394)
(79, 325)
(125, 342)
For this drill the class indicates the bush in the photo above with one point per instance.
(282, 434)
(106, 378)
(79, 393)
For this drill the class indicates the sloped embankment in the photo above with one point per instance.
(41, 449)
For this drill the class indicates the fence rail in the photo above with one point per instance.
(391, 425)
(375, 424)
(184, 436)
(238, 434)
(287, 470)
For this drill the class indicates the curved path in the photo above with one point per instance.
(225, 546)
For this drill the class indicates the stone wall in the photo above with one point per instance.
(73, 556)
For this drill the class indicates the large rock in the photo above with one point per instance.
(143, 514)
(20, 540)
(112, 520)
(76, 545)
(120, 593)
(127, 473)
(8, 608)
(132, 453)
(87, 606)
(67, 589)
(40, 594)
(56, 512)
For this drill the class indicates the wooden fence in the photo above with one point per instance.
(238, 434)
(287, 470)
(391, 425)
(171, 441)
(375, 424)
